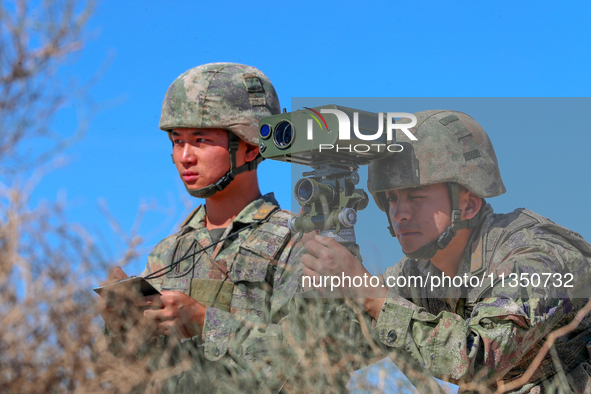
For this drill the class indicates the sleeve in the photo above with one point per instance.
(158, 259)
(155, 262)
(501, 329)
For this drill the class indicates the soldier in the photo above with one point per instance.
(521, 275)
(226, 277)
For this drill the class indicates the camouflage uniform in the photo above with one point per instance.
(246, 282)
(493, 332)
(483, 332)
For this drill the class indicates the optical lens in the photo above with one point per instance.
(304, 190)
(265, 131)
(283, 136)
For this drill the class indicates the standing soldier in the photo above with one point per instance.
(522, 275)
(226, 277)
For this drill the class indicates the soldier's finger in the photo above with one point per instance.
(171, 327)
(310, 262)
(153, 301)
(326, 241)
(314, 248)
(309, 236)
(164, 328)
(117, 274)
(154, 315)
(171, 295)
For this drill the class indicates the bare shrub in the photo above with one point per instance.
(51, 339)
(47, 312)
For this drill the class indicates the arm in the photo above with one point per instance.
(485, 346)
(504, 326)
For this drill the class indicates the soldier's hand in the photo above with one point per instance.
(111, 311)
(327, 257)
(178, 314)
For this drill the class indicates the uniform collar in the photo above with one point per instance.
(472, 253)
(468, 254)
(473, 249)
(245, 216)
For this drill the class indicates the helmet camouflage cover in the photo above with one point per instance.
(228, 96)
(450, 147)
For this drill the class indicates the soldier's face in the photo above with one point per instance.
(201, 155)
(419, 215)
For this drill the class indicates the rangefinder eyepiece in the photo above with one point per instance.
(308, 191)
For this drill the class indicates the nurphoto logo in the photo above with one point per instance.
(344, 125)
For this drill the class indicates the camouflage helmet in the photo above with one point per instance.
(228, 96)
(450, 147)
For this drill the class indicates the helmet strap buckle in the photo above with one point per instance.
(445, 238)
(224, 181)
(233, 146)
(456, 216)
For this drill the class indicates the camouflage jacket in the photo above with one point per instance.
(246, 281)
(486, 330)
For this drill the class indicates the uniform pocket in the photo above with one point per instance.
(249, 267)
(267, 240)
(254, 267)
(214, 293)
(253, 283)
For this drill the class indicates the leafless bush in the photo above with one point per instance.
(51, 339)
(35, 40)
(47, 314)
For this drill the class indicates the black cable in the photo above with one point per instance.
(170, 267)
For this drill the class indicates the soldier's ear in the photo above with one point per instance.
(172, 157)
(472, 204)
(251, 153)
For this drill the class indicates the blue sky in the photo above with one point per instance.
(329, 49)
(338, 49)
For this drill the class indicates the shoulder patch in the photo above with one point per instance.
(264, 211)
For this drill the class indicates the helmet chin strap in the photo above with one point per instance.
(224, 181)
(429, 250)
